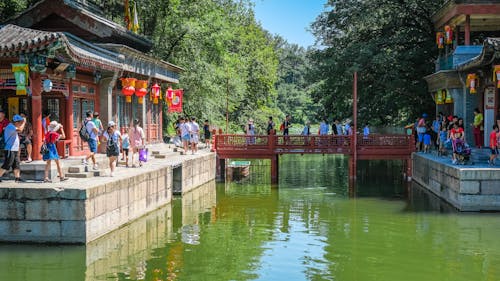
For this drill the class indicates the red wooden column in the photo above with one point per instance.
(274, 159)
(68, 119)
(467, 30)
(354, 137)
(36, 113)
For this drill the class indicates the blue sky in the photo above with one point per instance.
(289, 18)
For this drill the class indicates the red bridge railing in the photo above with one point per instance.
(373, 146)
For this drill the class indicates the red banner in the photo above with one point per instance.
(175, 103)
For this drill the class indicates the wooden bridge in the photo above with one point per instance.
(375, 146)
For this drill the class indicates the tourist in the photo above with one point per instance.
(207, 134)
(3, 123)
(11, 149)
(427, 141)
(113, 139)
(421, 129)
(436, 128)
(461, 123)
(323, 127)
(185, 135)
(25, 138)
(307, 129)
(285, 126)
(92, 141)
(443, 139)
(478, 129)
(456, 133)
(50, 141)
(347, 128)
(137, 139)
(45, 123)
(270, 126)
(366, 131)
(335, 127)
(125, 147)
(493, 145)
(97, 122)
(195, 135)
(250, 131)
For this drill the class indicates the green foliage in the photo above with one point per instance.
(390, 44)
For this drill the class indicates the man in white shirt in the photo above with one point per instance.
(195, 135)
(185, 134)
(92, 142)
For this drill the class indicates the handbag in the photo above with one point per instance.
(44, 149)
(143, 155)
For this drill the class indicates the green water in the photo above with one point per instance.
(307, 229)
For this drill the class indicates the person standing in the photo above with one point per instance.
(4, 122)
(45, 123)
(493, 145)
(125, 147)
(478, 129)
(195, 135)
(286, 125)
(25, 137)
(92, 141)
(421, 129)
(366, 131)
(97, 122)
(335, 128)
(185, 135)
(323, 128)
(50, 140)
(307, 129)
(270, 126)
(250, 131)
(207, 134)
(11, 149)
(137, 138)
(113, 139)
(436, 129)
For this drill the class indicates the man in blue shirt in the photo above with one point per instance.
(11, 149)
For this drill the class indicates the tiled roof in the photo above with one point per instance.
(491, 46)
(15, 39)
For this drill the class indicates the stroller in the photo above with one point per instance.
(462, 151)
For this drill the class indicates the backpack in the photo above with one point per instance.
(84, 134)
(112, 145)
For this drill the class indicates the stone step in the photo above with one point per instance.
(80, 175)
(76, 169)
(155, 152)
(160, 156)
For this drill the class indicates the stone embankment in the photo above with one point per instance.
(81, 210)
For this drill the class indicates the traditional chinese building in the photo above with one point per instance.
(76, 60)
(465, 76)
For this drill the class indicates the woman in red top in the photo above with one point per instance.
(456, 133)
(50, 140)
(493, 145)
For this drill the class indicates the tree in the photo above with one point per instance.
(390, 44)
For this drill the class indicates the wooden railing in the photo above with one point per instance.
(376, 145)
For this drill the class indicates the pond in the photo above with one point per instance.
(310, 227)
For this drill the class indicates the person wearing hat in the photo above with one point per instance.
(250, 131)
(113, 142)
(11, 149)
(51, 138)
(137, 137)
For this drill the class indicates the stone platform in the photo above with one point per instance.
(471, 187)
(81, 210)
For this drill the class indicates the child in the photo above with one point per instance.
(427, 141)
(125, 146)
(443, 137)
(493, 145)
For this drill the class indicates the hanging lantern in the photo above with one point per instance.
(141, 90)
(496, 75)
(439, 98)
(448, 35)
(47, 85)
(21, 71)
(440, 40)
(170, 93)
(128, 88)
(155, 93)
(448, 97)
(472, 82)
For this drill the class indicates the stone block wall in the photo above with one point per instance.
(466, 188)
(197, 171)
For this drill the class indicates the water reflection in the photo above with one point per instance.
(251, 231)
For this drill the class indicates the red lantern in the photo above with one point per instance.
(472, 82)
(170, 93)
(440, 40)
(496, 75)
(448, 31)
(141, 90)
(128, 88)
(155, 92)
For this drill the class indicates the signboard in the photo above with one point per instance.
(489, 98)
